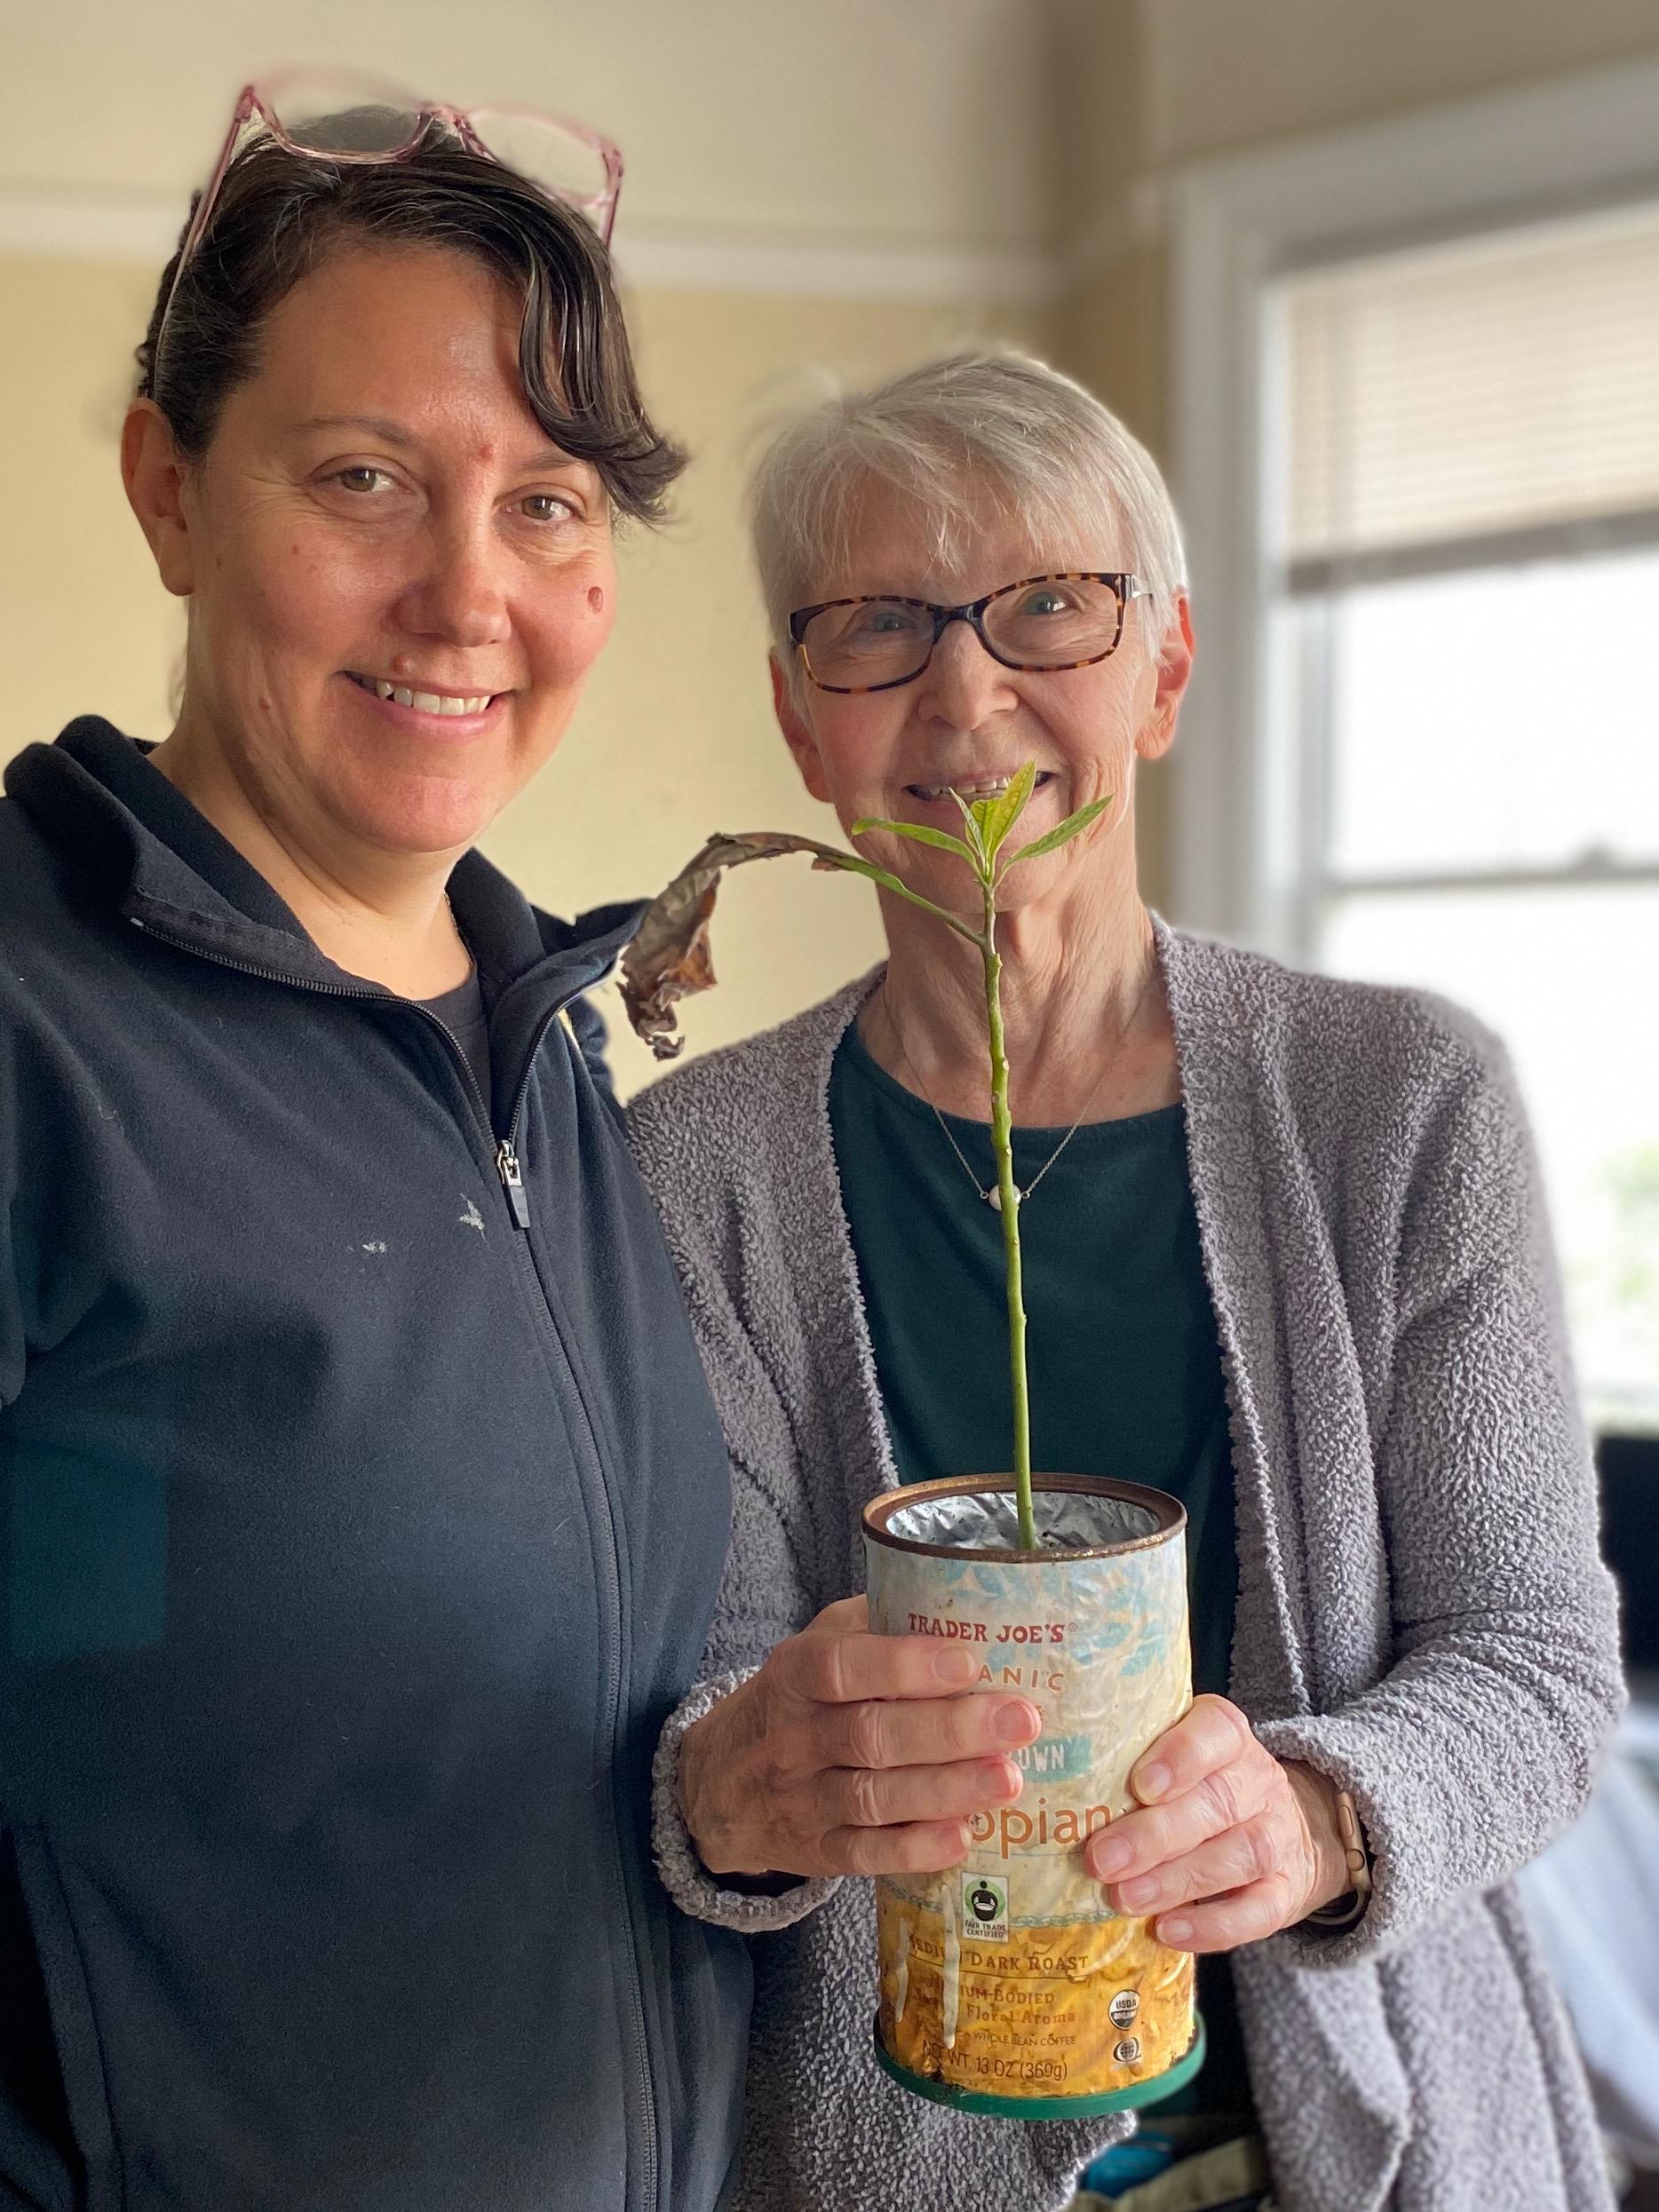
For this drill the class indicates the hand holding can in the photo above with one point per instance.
(850, 1753)
(1227, 1844)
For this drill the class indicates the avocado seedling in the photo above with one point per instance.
(670, 960)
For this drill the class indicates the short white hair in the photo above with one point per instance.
(974, 431)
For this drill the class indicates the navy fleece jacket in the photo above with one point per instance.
(363, 1513)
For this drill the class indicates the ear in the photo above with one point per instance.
(1174, 672)
(802, 744)
(153, 475)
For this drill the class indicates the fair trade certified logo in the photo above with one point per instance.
(984, 1908)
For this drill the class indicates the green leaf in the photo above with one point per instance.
(1062, 834)
(970, 822)
(920, 831)
(828, 858)
(997, 817)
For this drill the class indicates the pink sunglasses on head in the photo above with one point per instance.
(343, 117)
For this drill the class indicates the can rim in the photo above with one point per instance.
(1169, 1512)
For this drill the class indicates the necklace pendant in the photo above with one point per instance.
(994, 1197)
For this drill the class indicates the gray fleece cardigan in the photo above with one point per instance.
(1421, 1612)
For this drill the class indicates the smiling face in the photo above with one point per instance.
(968, 722)
(397, 588)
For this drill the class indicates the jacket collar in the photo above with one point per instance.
(165, 867)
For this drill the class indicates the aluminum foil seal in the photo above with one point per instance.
(988, 1521)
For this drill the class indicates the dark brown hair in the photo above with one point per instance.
(279, 215)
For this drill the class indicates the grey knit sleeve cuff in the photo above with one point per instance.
(1308, 1742)
(687, 1881)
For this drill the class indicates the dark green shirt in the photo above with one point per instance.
(1123, 1351)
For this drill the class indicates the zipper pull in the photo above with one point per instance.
(512, 1183)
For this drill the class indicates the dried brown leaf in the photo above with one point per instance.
(670, 958)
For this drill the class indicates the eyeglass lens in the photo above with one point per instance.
(557, 159)
(326, 118)
(1054, 622)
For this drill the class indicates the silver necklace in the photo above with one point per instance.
(993, 1197)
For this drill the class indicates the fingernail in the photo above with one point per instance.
(1113, 1856)
(1153, 1781)
(1140, 1891)
(955, 1669)
(1016, 1724)
(1175, 1930)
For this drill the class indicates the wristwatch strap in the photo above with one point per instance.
(1343, 1912)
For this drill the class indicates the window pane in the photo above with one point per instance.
(1507, 717)
(1569, 978)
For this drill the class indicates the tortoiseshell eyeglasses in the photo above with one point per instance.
(1068, 620)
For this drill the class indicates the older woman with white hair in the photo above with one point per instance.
(1284, 1259)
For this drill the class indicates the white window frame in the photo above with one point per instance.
(1573, 145)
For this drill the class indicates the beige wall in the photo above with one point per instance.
(855, 128)
(938, 126)
(925, 121)
(86, 626)
(675, 737)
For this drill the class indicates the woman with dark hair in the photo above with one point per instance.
(344, 1389)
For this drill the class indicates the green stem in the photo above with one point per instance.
(1002, 1139)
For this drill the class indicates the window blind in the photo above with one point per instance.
(1496, 398)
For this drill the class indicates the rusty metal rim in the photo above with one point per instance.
(1170, 1513)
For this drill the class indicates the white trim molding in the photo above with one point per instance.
(62, 225)
(1573, 145)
